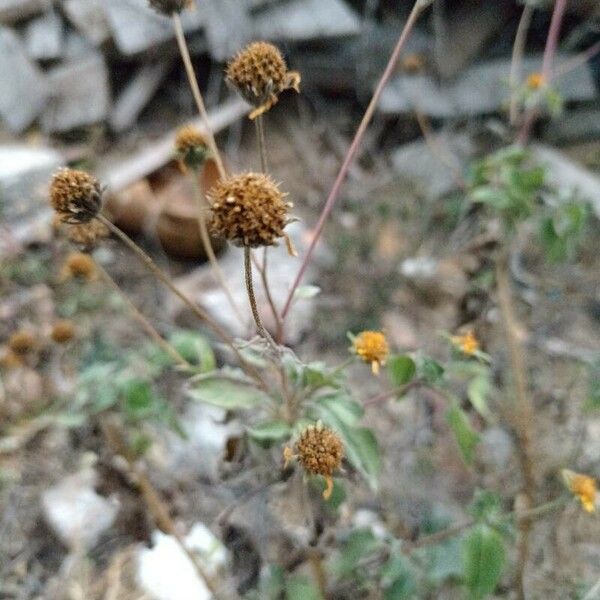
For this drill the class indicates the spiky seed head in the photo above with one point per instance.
(79, 264)
(168, 7)
(191, 147)
(320, 450)
(63, 331)
(372, 347)
(22, 342)
(259, 73)
(76, 196)
(248, 210)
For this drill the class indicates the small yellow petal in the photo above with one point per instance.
(328, 489)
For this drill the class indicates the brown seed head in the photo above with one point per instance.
(259, 73)
(63, 331)
(76, 196)
(320, 450)
(79, 265)
(191, 147)
(22, 342)
(248, 210)
(168, 7)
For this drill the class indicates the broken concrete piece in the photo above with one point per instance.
(76, 513)
(88, 17)
(228, 27)
(135, 27)
(23, 87)
(165, 572)
(301, 20)
(80, 94)
(481, 89)
(138, 92)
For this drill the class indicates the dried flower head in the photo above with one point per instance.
(76, 196)
(78, 264)
(372, 347)
(413, 63)
(582, 486)
(63, 331)
(535, 81)
(9, 359)
(466, 343)
(22, 342)
(191, 147)
(259, 73)
(249, 210)
(320, 451)
(168, 7)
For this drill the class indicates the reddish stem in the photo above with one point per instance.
(358, 137)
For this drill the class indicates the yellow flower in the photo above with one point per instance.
(466, 343)
(535, 81)
(372, 347)
(582, 486)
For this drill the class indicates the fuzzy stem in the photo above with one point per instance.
(517, 59)
(352, 151)
(199, 312)
(208, 248)
(252, 298)
(264, 164)
(141, 319)
(523, 413)
(187, 61)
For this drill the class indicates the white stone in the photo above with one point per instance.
(165, 572)
(76, 513)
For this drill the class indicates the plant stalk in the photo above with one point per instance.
(187, 61)
(517, 59)
(208, 248)
(417, 9)
(252, 298)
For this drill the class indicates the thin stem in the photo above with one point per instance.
(577, 60)
(517, 59)
(199, 312)
(352, 151)
(264, 165)
(523, 412)
(187, 61)
(208, 248)
(549, 52)
(141, 319)
(396, 392)
(252, 298)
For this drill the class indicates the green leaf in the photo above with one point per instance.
(429, 369)
(397, 580)
(272, 430)
(226, 394)
(360, 544)
(401, 369)
(478, 391)
(139, 398)
(195, 348)
(299, 587)
(484, 556)
(348, 411)
(466, 438)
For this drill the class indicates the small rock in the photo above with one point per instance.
(496, 448)
(15, 10)
(23, 87)
(165, 572)
(44, 37)
(80, 94)
(76, 513)
(88, 17)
